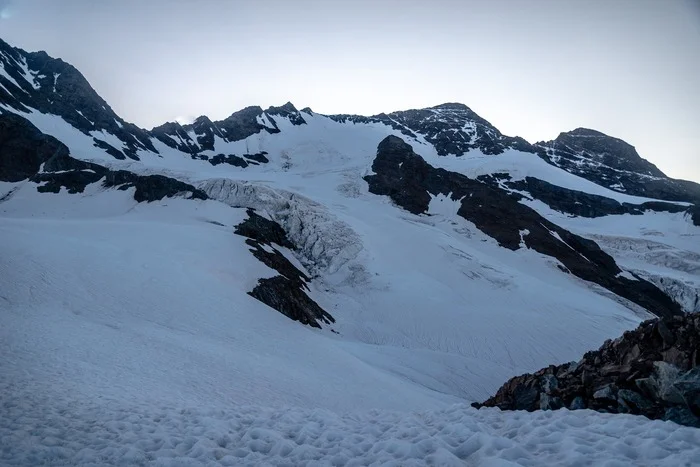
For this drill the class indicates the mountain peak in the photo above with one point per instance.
(585, 132)
(603, 159)
(202, 120)
(288, 107)
(451, 106)
(288, 111)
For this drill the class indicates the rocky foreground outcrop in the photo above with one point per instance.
(653, 371)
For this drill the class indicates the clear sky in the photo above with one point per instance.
(629, 68)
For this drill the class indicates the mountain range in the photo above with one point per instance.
(407, 260)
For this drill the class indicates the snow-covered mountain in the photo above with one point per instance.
(430, 256)
(615, 164)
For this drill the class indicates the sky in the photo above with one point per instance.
(628, 68)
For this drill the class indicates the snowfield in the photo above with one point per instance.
(127, 335)
(42, 430)
(127, 338)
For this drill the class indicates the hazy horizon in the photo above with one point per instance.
(626, 68)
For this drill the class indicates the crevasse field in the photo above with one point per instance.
(128, 336)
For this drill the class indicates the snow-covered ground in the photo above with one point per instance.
(45, 428)
(127, 335)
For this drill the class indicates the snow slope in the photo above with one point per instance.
(430, 299)
(136, 316)
(658, 246)
(127, 340)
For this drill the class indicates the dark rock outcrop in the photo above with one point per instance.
(694, 212)
(258, 157)
(452, 128)
(229, 159)
(653, 371)
(281, 294)
(23, 148)
(108, 148)
(174, 135)
(52, 86)
(288, 111)
(62, 171)
(75, 175)
(286, 292)
(593, 147)
(263, 230)
(151, 188)
(410, 181)
(614, 164)
(574, 202)
(237, 161)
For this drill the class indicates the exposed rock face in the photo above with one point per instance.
(228, 159)
(612, 163)
(597, 147)
(286, 292)
(199, 136)
(53, 86)
(652, 371)
(577, 203)
(263, 230)
(151, 187)
(694, 212)
(288, 111)
(62, 171)
(410, 181)
(237, 161)
(23, 148)
(452, 128)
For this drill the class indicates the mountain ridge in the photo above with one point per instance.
(439, 130)
(453, 130)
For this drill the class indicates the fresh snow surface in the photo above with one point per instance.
(64, 431)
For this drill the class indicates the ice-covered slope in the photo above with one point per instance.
(128, 338)
(430, 299)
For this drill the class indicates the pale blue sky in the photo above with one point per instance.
(629, 68)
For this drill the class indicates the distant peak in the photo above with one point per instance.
(288, 111)
(288, 107)
(202, 119)
(585, 132)
(250, 111)
(451, 106)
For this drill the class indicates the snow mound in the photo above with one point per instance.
(326, 244)
(37, 431)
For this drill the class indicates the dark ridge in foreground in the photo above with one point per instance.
(410, 181)
(653, 371)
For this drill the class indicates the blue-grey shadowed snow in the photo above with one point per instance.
(627, 68)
